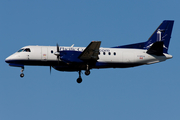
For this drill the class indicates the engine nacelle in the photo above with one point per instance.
(70, 56)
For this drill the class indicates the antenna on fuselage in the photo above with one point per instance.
(72, 45)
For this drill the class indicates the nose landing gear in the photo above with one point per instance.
(22, 74)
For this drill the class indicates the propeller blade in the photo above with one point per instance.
(58, 56)
(57, 47)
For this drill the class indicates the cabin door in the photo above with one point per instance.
(44, 54)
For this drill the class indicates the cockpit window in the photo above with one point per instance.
(20, 50)
(24, 50)
(27, 50)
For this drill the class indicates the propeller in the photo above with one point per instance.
(57, 47)
(57, 53)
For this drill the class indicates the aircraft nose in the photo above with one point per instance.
(7, 60)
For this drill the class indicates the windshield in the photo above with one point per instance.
(20, 50)
(24, 50)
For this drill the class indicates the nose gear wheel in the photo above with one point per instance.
(22, 74)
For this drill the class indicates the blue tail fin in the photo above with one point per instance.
(161, 34)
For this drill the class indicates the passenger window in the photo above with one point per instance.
(27, 50)
(109, 53)
(114, 53)
(51, 51)
(99, 53)
(104, 53)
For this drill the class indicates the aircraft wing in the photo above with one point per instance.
(91, 52)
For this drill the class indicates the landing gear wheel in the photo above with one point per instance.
(87, 72)
(22, 75)
(79, 80)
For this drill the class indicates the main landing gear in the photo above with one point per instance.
(79, 80)
(22, 74)
(87, 72)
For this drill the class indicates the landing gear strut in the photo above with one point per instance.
(87, 72)
(79, 80)
(22, 74)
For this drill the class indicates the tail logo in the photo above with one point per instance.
(159, 38)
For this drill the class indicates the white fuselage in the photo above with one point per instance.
(44, 55)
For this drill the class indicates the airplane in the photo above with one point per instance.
(62, 58)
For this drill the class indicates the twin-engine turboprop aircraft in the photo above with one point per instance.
(93, 56)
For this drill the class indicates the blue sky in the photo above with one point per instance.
(148, 92)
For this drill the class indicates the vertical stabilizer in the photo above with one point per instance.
(162, 34)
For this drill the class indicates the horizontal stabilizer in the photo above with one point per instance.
(156, 49)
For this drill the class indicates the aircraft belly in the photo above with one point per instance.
(33, 62)
(115, 65)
